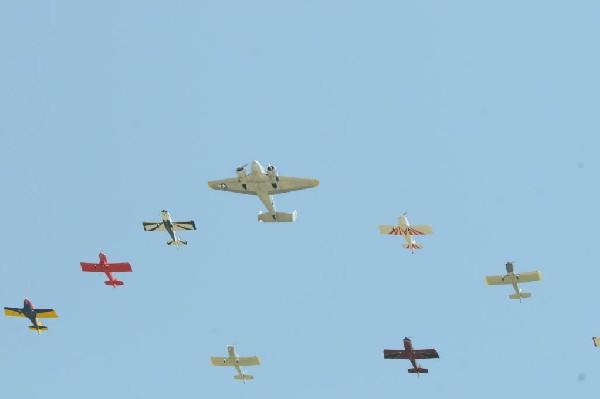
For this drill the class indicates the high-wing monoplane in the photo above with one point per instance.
(512, 278)
(411, 354)
(236, 361)
(33, 314)
(107, 268)
(405, 229)
(170, 226)
(264, 184)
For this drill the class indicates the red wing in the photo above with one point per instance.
(395, 354)
(90, 267)
(425, 354)
(119, 267)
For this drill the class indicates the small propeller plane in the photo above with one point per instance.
(236, 361)
(405, 229)
(511, 278)
(264, 185)
(108, 268)
(596, 341)
(168, 225)
(32, 314)
(412, 355)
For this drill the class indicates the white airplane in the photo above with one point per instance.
(596, 341)
(168, 225)
(405, 229)
(511, 278)
(265, 185)
(236, 361)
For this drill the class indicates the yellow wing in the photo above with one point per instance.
(13, 312)
(46, 314)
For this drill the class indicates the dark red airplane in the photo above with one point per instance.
(412, 355)
(108, 268)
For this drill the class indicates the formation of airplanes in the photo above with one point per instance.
(265, 183)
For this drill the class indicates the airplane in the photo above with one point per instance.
(236, 361)
(596, 341)
(32, 314)
(108, 268)
(405, 229)
(511, 278)
(264, 185)
(168, 225)
(412, 355)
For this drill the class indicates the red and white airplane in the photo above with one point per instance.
(412, 355)
(405, 229)
(108, 268)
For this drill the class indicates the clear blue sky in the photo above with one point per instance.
(479, 119)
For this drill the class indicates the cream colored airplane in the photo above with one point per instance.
(596, 341)
(236, 361)
(264, 184)
(511, 278)
(405, 229)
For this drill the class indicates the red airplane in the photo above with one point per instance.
(108, 268)
(412, 355)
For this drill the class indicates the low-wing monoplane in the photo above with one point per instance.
(170, 226)
(512, 278)
(405, 229)
(411, 354)
(33, 314)
(107, 268)
(236, 361)
(264, 184)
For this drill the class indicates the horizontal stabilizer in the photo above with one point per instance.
(116, 282)
(419, 370)
(40, 328)
(243, 377)
(177, 242)
(413, 246)
(277, 217)
(521, 295)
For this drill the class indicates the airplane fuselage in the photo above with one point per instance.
(233, 356)
(105, 265)
(261, 183)
(29, 312)
(168, 223)
(411, 356)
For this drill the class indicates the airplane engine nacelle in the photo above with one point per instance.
(272, 173)
(241, 172)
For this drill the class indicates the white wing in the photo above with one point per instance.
(240, 361)
(151, 226)
(529, 276)
(496, 280)
(184, 225)
(232, 185)
(287, 184)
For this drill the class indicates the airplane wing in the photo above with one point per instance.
(152, 226)
(496, 280)
(241, 361)
(46, 313)
(528, 277)
(425, 354)
(595, 339)
(184, 225)
(119, 267)
(232, 185)
(13, 312)
(402, 231)
(420, 229)
(112, 267)
(287, 184)
(395, 354)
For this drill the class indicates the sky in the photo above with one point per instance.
(478, 118)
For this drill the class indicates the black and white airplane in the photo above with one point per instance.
(170, 226)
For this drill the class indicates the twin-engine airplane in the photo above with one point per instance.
(511, 278)
(108, 268)
(236, 361)
(264, 185)
(412, 355)
(405, 229)
(168, 225)
(32, 314)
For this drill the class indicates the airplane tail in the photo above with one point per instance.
(114, 283)
(277, 217)
(177, 242)
(520, 295)
(413, 246)
(244, 377)
(420, 370)
(39, 328)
